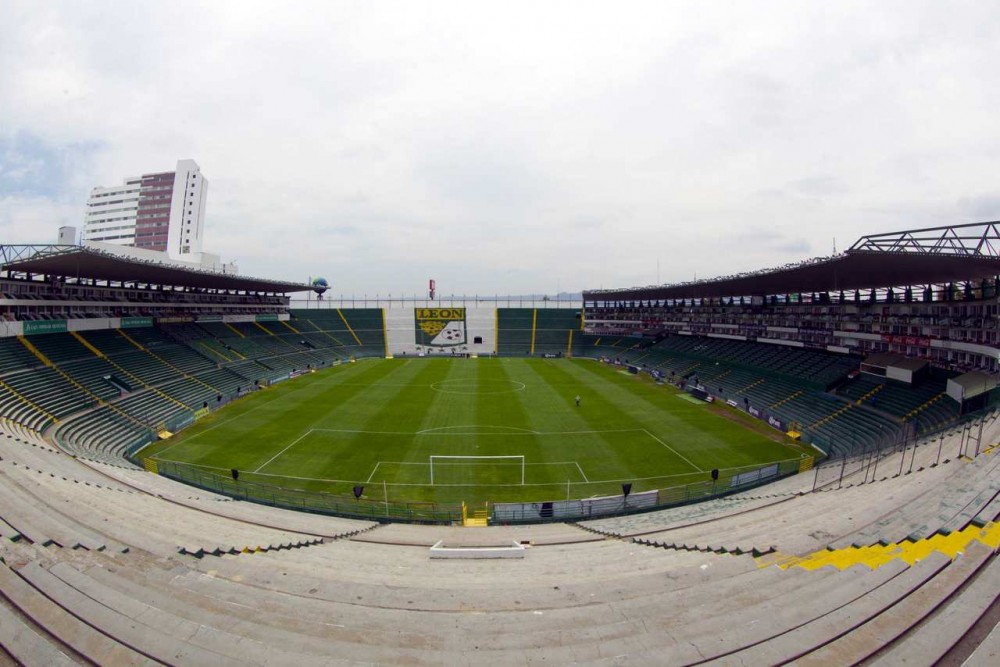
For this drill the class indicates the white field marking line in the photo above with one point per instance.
(271, 474)
(380, 384)
(377, 464)
(475, 393)
(445, 463)
(283, 450)
(434, 431)
(560, 484)
(582, 474)
(233, 418)
(686, 459)
(438, 429)
(351, 430)
(164, 451)
(613, 430)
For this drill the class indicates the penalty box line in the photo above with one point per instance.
(439, 432)
(355, 481)
(682, 457)
(526, 463)
(294, 442)
(590, 432)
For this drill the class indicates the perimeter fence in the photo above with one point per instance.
(388, 510)
(891, 458)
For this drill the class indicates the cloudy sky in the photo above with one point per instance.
(515, 147)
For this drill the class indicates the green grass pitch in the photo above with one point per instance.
(377, 423)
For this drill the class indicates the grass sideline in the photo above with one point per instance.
(376, 423)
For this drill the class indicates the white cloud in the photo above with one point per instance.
(514, 147)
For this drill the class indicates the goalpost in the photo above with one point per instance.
(442, 459)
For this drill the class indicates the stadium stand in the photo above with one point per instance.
(123, 563)
(14, 356)
(121, 387)
(788, 386)
(538, 332)
(886, 554)
(515, 327)
(359, 331)
(554, 330)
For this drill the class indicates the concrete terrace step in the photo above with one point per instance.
(930, 639)
(865, 640)
(9, 532)
(988, 652)
(121, 622)
(427, 536)
(651, 522)
(207, 637)
(553, 577)
(736, 550)
(928, 512)
(199, 551)
(223, 506)
(25, 645)
(801, 639)
(151, 524)
(64, 626)
(252, 624)
(702, 637)
(527, 627)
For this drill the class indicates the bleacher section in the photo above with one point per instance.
(14, 356)
(107, 391)
(555, 329)
(357, 331)
(104, 564)
(786, 383)
(925, 405)
(623, 348)
(819, 369)
(514, 329)
(125, 385)
(537, 331)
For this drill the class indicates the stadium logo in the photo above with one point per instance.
(440, 327)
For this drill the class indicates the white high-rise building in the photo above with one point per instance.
(162, 211)
(111, 213)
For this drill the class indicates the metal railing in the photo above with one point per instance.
(312, 501)
(387, 510)
(869, 464)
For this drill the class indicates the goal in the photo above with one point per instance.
(477, 469)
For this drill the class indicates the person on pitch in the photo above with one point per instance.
(578, 400)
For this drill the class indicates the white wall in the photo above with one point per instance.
(480, 320)
(190, 194)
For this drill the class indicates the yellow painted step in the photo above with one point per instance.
(876, 555)
(86, 343)
(347, 324)
(130, 339)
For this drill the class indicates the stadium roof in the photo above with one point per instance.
(933, 255)
(71, 261)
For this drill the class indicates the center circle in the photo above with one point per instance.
(468, 386)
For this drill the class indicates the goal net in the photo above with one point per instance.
(477, 469)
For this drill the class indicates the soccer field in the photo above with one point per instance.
(395, 425)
